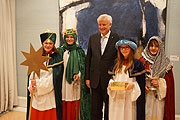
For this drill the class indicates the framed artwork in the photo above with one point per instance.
(136, 19)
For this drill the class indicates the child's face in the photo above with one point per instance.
(125, 50)
(48, 45)
(70, 39)
(153, 49)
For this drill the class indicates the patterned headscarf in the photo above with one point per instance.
(160, 62)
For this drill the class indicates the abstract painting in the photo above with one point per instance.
(136, 19)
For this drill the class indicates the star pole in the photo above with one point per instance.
(35, 62)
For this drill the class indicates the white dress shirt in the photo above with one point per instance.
(104, 40)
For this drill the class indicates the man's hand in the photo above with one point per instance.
(88, 83)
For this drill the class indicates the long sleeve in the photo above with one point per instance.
(136, 92)
(44, 84)
(161, 91)
(88, 61)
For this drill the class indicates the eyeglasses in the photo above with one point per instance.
(125, 48)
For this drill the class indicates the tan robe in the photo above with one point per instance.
(155, 105)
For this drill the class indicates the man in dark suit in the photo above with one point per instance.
(101, 54)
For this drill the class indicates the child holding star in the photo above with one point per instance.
(46, 90)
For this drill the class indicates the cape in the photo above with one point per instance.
(139, 73)
(56, 63)
(169, 107)
(85, 110)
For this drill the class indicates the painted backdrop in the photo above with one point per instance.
(137, 19)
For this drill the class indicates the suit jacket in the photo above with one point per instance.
(97, 65)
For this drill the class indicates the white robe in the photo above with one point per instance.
(70, 92)
(155, 101)
(122, 103)
(43, 97)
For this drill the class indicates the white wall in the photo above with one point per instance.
(35, 16)
(32, 18)
(173, 44)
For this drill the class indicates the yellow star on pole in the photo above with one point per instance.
(35, 60)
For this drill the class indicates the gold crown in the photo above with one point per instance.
(69, 31)
(47, 31)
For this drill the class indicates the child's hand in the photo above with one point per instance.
(155, 82)
(76, 77)
(111, 82)
(31, 89)
(129, 86)
(147, 88)
(33, 82)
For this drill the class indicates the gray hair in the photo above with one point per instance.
(103, 17)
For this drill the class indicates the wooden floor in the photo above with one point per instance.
(18, 115)
(13, 115)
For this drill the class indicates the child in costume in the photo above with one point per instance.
(160, 104)
(127, 103)
(75, 94)
(46, 90)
